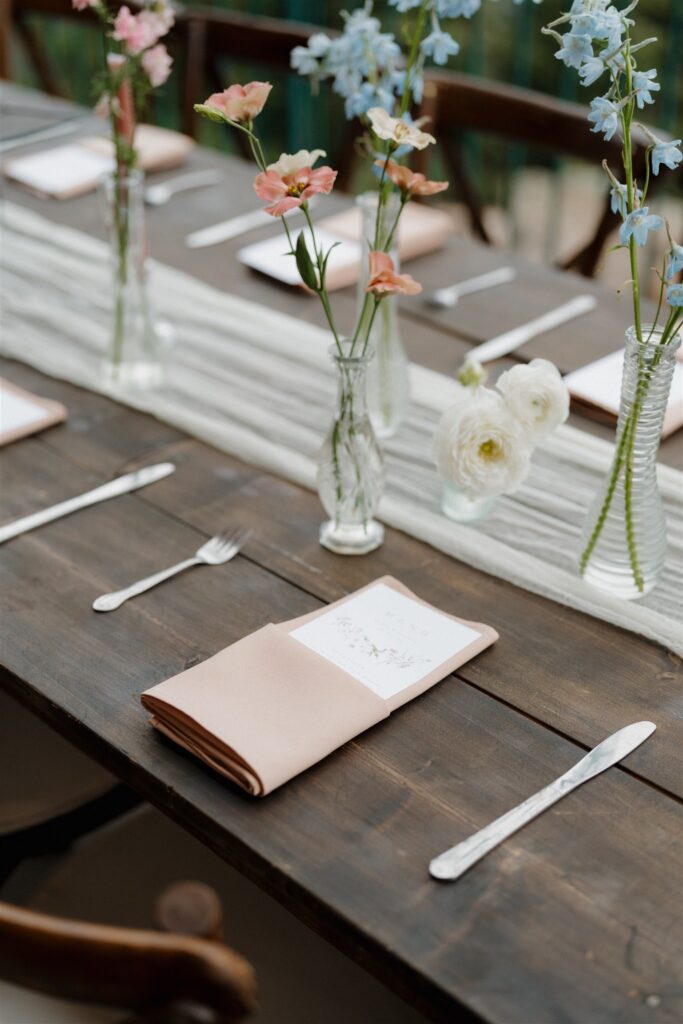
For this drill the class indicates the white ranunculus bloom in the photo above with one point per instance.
(397, 130)
(480, 446)
(537, 396)
(290, 163)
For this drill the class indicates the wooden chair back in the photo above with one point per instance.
(157, 976)
(214, 36)
(456, 102)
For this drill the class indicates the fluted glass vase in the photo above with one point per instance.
(133, 357)
(351, 465)
(623, 545)
(388, 381)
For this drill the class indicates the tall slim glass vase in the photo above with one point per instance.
(388, 381)
(133, 357)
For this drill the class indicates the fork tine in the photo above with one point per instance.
(234, 537)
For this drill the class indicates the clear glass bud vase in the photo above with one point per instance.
(623, 545)
(134, 354)
(388, 375)
(351, 465)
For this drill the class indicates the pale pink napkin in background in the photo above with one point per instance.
(268, 707)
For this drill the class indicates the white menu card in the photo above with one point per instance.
(385, 640)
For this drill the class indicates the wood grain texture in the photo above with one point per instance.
(346, 845)
(577, 918)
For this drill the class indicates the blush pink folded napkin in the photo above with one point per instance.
(271, 705)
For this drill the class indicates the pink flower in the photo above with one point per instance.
(156, 63)
(82, 5)
(285, 191)
(241, 102)
(133, 31)
(140, 31)
(385, 281)
(410, 182)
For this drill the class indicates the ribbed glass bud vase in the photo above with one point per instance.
(351, 465)
(388, 381)
(623, 545)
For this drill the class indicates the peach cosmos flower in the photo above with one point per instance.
(82, 5)
(285, 191)
(241, 102)
(411, 183)
(385, 281)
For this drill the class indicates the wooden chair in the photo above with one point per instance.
(186, 976)
(457, 102)
(50, 793)
(214, 36)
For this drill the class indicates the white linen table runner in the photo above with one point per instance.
(259, 384)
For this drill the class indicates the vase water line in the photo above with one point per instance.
(351, 466)
(134, 354)
(388, 380)
(623, 545)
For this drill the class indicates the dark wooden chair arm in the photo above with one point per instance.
(126, 967)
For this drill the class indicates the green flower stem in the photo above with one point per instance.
(322, 291)
(413, 57)
(614, 479)
(627, 122)
(370, 325)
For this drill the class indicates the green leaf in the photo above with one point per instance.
(305, 264)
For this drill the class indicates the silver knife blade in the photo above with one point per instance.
(508, 342)
(122, 485)
(235, 226)
(455, 862)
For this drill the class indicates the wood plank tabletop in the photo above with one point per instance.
(577, 918)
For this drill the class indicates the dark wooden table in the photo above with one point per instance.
(577, 918)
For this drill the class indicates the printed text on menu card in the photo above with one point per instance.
(384, 639)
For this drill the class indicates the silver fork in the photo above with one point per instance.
(217, 551)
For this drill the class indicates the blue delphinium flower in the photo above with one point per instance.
(456, 8)
(675, 264)
(592, 69)
(305, 59)
(604, 116)
(674, 295)
(644, 85)
(364, 63)
(439, 46)
(638, 224)
(666, 153)
(619, 196)
(575, 49)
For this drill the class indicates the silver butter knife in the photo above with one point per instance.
(455, 862)
(122, 485)
(508, 342)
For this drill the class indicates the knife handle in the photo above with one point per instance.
(121, 485)
(455, 862)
